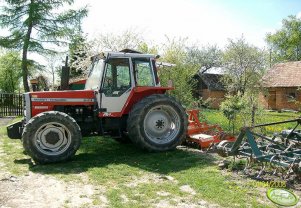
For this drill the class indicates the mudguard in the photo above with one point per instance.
(14, 131)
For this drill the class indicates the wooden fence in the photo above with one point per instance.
(11, 104)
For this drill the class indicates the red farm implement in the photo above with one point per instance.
(203, 134)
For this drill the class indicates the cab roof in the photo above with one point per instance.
(132, 55)
(125, 53)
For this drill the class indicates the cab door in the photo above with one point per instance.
(116, 85)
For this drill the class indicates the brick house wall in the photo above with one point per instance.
(279, 98)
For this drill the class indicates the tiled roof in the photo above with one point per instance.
(213, 81)
(284, 75)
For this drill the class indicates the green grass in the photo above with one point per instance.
(12, 149)
(217, 117)
(124, 170)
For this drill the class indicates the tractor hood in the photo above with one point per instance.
(38, 102)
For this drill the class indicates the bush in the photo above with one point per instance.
(231, 107)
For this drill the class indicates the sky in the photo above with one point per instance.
(201, 21)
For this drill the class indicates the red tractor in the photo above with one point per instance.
(122, 98)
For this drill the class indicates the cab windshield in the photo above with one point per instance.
(95, 75)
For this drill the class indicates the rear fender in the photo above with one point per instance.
(137, 94)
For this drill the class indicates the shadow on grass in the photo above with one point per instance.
(97, 152)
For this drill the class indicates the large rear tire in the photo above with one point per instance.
(51, 137)
(157, 123)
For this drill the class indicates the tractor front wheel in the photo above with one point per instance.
(157, 123)
(51, 137)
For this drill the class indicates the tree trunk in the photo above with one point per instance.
(25, 49)
(25, 72)
(24, 58)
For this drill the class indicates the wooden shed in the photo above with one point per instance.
(210, 86)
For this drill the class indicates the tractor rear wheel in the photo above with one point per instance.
(157, 123)
(51, 137)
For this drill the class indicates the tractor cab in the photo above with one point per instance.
(117, 70)
(114, 74)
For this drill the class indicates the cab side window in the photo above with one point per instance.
(143, 72)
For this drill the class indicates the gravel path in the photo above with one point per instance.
(5, 120)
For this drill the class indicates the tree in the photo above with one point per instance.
(244, 67)
(77, 52)
(285, 44)
(231, 108)
(10, 72)
(53, 67)
(127, 39)
(205, 58)
(181, 73)
(82, 52)
(145, 48)
(35, 24)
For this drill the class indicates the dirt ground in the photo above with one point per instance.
(36, 190)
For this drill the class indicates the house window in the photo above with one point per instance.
(291, 96)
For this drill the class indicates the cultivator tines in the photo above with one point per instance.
(281, 151)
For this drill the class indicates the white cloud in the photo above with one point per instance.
(299, 15)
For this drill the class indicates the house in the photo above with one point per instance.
(282, 83)
(210, 86)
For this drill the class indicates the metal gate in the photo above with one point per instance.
(11, 104)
